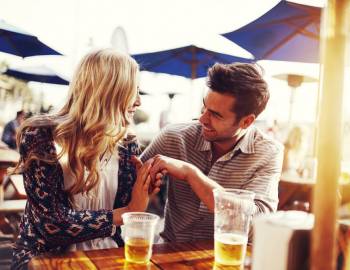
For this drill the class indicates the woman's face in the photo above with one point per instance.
(137, 103)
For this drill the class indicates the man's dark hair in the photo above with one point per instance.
(20, 113)
(244, 82)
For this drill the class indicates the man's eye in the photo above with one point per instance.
(218, 116)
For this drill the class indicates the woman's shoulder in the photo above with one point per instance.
(37, 139)
(129, 145)
(37, 133)
(40, 126)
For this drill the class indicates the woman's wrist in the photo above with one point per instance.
(132, 208)
(117, 215)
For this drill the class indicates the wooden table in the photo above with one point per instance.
(10, 215)
(14, 187)
(198, 255)
(298, 189)
(294, 189)
(12, 206)
(8, 158)
(9, 211)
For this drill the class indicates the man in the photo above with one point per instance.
(223, 150)
(10, 130)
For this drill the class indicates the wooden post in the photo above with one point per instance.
(194, 63)
(329, 148)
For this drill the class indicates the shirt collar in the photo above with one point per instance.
(245, 145)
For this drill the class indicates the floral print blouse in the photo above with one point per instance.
(49, 223)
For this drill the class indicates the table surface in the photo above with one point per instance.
(17, 181)
(8, 156)
(298, 189)
(12, 206)
(192, 255)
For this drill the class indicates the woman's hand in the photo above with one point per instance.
(155, 184)
(140, 192)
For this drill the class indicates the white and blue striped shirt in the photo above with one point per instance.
(253, 164)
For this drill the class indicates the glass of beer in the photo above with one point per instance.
(233, 214)
(139, 235)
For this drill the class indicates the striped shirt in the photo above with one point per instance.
(253, 164)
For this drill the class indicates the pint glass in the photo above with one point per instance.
(139, 236)
(233, 214)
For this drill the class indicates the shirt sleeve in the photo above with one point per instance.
(265, 182)
(157, 146)
(48, 209)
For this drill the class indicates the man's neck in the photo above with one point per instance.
(221, 148)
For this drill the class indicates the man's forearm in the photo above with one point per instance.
(202, 185)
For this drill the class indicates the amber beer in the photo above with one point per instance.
(138, 250)
(230, 248)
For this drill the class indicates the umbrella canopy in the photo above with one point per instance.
(18, 42)
(287, 32)
(189, 61)
(41, 74)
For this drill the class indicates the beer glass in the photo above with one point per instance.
(139, 230)
(233, 214)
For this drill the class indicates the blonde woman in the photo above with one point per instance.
(294, 152)
(77, 164)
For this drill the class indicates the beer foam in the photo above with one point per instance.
(231, 238)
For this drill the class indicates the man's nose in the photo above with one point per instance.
(204, 117)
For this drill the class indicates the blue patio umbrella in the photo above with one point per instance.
(19, 42)
(189, 61)
(287, 32)
(37, 74)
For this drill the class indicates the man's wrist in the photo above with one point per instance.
(191, 172)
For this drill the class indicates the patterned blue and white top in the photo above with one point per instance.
(50, 223)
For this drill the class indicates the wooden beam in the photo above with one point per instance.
(329, 148)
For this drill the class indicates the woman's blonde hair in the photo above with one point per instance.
(95, 117)
(295, 138)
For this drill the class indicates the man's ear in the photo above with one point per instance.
(246, 121)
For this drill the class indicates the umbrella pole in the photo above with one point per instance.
(325, 202)
(291, 104)
(194, 63)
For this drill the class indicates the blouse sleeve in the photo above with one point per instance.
(48, 207)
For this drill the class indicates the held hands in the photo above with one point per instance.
(165, 165)
(149, 178)
(144, 187)
(154, 186)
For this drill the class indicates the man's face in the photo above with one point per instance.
(20, 118)
(218, 121)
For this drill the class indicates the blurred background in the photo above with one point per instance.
(41, 42)
(72, 28)
(155, 32)
(75, 27)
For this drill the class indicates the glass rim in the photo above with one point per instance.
(152, 217)
(234, 190)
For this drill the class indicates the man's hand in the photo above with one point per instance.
(163, 165)
(201, 184)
